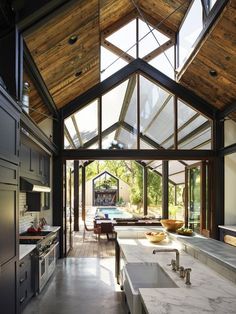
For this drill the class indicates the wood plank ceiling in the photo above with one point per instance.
(69, 70)
(218, 53)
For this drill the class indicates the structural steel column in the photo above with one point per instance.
(145, 174)
(83, 192)
(165, 189)
(76, 195)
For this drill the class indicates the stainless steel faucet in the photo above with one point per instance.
(170, 250)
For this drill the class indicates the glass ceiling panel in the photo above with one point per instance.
(163, 126)
(145, 145)
(72, 132)
(125, 38)
(196, 140)
(150, 42)
(175, 166)
(184, 113)
(178, 178)
(164, 65)
(191, 127)
(129, 114)
(128, 139)
(108, 139)
(87, 130)
(111, 105)
(66, 143)
(152, 98)
(110, 63)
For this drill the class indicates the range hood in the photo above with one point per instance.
(29, 185)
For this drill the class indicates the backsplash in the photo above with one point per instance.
(25, 218)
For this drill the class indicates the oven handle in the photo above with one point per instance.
(48, 252)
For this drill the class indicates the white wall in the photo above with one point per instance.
(46, 126)
(230, 175)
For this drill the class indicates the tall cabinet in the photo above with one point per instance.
(9, 180)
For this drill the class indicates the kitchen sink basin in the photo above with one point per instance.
(143, 275)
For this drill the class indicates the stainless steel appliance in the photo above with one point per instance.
(45, 255)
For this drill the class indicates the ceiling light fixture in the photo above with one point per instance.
(213, 73)
(78, 73)
(72, 39)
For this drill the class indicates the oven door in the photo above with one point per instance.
(43, 272)
(51, 259)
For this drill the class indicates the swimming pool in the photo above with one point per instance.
(114, 212)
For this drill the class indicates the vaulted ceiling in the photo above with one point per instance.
(70, 70)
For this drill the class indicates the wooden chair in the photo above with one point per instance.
(107, 228)
(96, 230)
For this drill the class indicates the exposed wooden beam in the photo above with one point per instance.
(38, 81)
(117, 51)
(158, 50)
(77, 130)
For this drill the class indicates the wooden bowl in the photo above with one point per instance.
(171, 224)
(155, 236)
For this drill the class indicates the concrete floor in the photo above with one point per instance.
(80, 285)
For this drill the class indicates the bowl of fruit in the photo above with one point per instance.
(185, 231)
(171, 224)
(155, 236)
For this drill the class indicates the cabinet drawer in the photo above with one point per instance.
(8, 172)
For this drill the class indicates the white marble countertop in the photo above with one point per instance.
(231, 228)
(51, 228)
(209, 292)
(25, 249)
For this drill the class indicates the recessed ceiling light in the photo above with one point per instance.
(213, 73)
(78, 73)
(72, 39)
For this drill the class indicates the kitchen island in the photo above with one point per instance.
(209, 292)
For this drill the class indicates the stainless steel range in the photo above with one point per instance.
(45, 256)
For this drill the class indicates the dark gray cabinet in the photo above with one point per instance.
(9, 164)
(26, 280)
(9, 128)
(34, 162)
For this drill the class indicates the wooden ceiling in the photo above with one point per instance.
(58, 61)
(70, 70)
(218, 53)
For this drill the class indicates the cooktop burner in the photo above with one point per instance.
(35, 234)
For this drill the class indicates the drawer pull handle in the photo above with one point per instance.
(22, 300)
(21, 264)
(22, 280)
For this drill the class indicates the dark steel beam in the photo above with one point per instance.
(83, 194)
(147, 70)
(134, 154)
(165, 189)
(76, 195)
(231, 149)
(145, 192)
(227, 111)
(39, 83)
(29, 12)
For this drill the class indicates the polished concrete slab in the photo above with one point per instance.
(80, 285)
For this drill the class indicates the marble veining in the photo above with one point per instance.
(208, 293)
(25, 249)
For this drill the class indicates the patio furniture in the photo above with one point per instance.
(107, 228)
(96, 230)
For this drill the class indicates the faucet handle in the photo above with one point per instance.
(173, 264)
(187, 273)
(181, 272)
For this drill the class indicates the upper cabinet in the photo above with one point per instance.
(9, 128)
(34, 162)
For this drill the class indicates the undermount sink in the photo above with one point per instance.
(143, 275)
